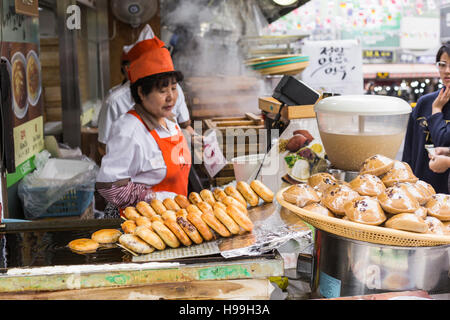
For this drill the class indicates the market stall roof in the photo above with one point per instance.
(399, 71)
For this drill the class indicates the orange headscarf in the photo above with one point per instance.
(153, 60)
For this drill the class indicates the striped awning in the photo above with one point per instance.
(399, 71)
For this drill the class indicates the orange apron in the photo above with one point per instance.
(177, 158)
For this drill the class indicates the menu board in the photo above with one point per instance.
(335, 66)
(27, 104)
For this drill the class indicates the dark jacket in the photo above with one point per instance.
(423, 129)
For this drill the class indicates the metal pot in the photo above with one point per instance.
(343, 267)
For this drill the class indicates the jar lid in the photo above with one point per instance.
(364, 105)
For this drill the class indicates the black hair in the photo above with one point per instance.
(444, 49)
(159, 81)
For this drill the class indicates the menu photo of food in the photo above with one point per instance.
(33, 78)
(19, 85)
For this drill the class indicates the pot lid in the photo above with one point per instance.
(365, 105)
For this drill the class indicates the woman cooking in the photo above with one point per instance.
(147, 154)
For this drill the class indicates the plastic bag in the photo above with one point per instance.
(38, 192)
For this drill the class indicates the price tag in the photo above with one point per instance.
(213, 158)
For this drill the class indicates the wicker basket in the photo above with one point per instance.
(357, 231)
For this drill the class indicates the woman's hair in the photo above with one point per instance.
(444, 49)
(149, 83)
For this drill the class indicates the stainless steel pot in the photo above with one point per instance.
(343, 267)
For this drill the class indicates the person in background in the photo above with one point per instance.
(440, 161)
(119, 101)
(429, 125)
(147, 154)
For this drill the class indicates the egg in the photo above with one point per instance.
(318, 149)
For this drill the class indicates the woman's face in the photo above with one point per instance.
(160, 102)
(444, 71)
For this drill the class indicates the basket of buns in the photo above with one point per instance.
(385, 204)
(182, 221)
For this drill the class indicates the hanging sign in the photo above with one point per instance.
(27, 7)
(384, 55)
(335, 66)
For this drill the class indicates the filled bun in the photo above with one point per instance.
(301, 195)
(377, 165)
(322, 181)
(417, 192)
(422, 212)
(368, 185)
(400, 172)
(334, 198)
(407, 222)
(106, 236)
(426, 188)
(365, 210)
(320, 209)
(435, 226)
(439, 207)
(397, 200)
(83, 245)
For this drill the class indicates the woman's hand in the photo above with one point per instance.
(439, 164)
(441, 101)
(442, 151)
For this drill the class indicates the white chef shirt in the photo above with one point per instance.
(120, 101)
(133, 153)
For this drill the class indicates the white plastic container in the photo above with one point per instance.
(245, 166)
(354, 128)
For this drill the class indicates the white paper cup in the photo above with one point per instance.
(245, 166)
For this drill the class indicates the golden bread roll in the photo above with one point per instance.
(178, 232)
(262, 191)
(182, 201)
(320, 209)
(129, 226)
(150, 237)
(171, 204)
(165, 234)
(156, 218)
(407, 222)
(195, 218)
(205, 207)
(135, 244)
(322, 181)
(400, 172)
(193, 209)
(301, 195)
(368, 185)
(240, 218)
(365, 210)
(435, 226)
(234, 193)
(426, 188)
(195, 198)
(106, 236)
(158, 206)
(230, 201)
(131, 213)
(226, 220)
(143, 221)
(335, 197)
(439, 207)
(220, 205)
(169, 215)
(83, 245)
(422, 212)
(247, 192)
(397, 200)
(215, 224)
(188, 227)
(208, 197)
(145, 209)
(219, 194)
(417, 192)
(377, 165)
